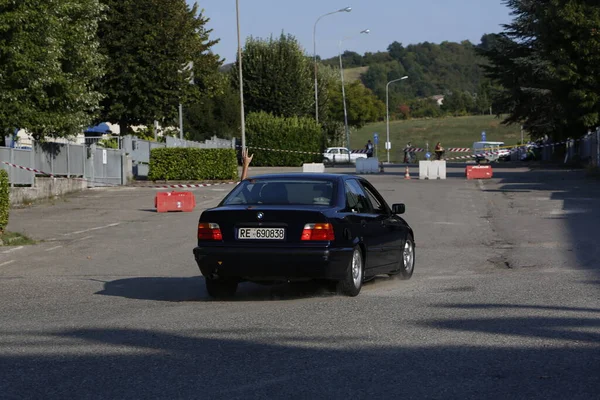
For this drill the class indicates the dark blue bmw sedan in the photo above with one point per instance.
(289, 227)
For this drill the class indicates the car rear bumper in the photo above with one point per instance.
(273, 264)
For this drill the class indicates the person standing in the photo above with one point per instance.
(369, 148)
(439, 151)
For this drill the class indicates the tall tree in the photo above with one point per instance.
(548, 62)
(278, 77)
(150, 44)
(49, 62)
(214, 115)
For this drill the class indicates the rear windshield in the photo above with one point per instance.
(282, 192)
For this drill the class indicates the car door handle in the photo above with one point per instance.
(363, 223)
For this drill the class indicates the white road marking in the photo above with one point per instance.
(92, 229)
(6, 263)
(11, 250)
(53, 248)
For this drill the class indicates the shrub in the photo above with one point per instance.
(301, 134)
(192, 164)
(4, 200)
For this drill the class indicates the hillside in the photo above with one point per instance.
(433, 69)
(354, 74)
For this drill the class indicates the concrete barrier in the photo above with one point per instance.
(46, 188)
(367, 165)
(313, 167)
(432, 169)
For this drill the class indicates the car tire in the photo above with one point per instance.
(406, 264)
(219, 288)
(353, 281)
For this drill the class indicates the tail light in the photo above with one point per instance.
(318, 232)
(209, 231)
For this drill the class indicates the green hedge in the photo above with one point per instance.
(4, 199)
(191, 164)
(271, 132)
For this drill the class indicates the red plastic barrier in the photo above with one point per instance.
(479, 172)
(174, 201)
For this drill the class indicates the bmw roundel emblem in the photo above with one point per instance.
(260, 215)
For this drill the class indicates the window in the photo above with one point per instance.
(333, 151)
(377, 204)
(344, 152)
(356, 199)
(282, 192)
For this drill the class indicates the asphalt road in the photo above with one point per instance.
(504, 302)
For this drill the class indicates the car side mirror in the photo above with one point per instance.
(398, 208)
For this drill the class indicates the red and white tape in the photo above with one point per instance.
(186, 186)
(28, 169)
(115, 184)
(362, 151)
(515, 149)
(282, 151)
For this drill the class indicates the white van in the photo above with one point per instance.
(490, 147)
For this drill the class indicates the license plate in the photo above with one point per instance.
(261, 233)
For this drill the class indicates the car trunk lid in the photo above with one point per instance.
(263, 225)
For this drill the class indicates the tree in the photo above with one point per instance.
(350, 59)
(278, 77)
(361, 104)
(404, 111)
(149, 44)
(548, 62)
(488, 41)
(396, 51)
(216, 115)
(49, 64)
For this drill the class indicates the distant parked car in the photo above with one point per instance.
(336, 155)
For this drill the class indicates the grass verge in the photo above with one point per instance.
(15, 239)
(450, 131)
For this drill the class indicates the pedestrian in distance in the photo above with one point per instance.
(369, 148)
(409, 153)
(439, 151)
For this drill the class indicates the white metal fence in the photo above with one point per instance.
(586, 150)
(100, 167)
(21, 157)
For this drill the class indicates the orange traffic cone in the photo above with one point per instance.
(407, 173)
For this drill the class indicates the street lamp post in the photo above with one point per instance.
(347, 9)
(241, 77)
(188, 67)
(347, 131)
(387, 107)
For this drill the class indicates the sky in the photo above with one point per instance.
(407, 22)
